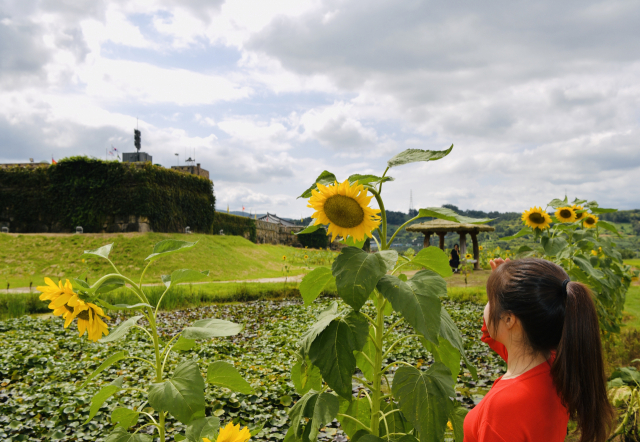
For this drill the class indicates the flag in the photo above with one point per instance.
(53, 161)
(243, 208)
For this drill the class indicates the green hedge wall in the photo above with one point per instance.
(315, 240)
(80, 191)
(234, 225)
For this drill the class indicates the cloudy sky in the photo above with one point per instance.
(538, 98)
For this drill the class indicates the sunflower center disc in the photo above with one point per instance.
(536, 218)
(82, 315)
(343, 211)
(589, 221)
(565, 213)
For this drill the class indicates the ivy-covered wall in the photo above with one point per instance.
(80, 191)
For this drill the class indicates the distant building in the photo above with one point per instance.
(136, 157)
(27, 165)
(193, 170)
(269, 218)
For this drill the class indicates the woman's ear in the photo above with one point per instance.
(509, 320)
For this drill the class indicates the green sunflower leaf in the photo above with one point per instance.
(325, 178)
(106, 364)
(182, 276)
(456, 417)
(121, 435)
(102, 395)
(182, 395)
(121, 330)
(167, 247)
(310, 228)
(424, 399)
(357, 273)
(305, 376)
(332, 351)
(124, 417)
(369, 179)
(417, 300)
(608, 226)
(523, 232)
(211, 328)
(415, 155)
(225, 375)
(433, 259)
(203, 427)
(357, 408)
(450, 215)
(313, 283)
(102, 252)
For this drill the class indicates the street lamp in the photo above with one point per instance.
(178, 155)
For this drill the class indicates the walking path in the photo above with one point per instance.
(296, 278)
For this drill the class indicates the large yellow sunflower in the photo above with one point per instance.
(536, 218)
(590, 221)
(581, 215)
(566, 215)
(232, 433)
(345, 207)
(66, 303)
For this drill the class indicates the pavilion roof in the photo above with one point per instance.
(441, 225)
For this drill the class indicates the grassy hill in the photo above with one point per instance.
(26, 259)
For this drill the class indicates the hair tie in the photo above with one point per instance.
(564, 286)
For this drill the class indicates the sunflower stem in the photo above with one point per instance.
(381, 181)
(383, 214)
(400, 228)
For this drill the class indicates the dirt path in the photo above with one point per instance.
(296, 278)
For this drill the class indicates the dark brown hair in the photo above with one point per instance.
(561, 320)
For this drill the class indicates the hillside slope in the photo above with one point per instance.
(28, 259)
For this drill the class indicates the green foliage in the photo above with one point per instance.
(79, 191)
(235, 225)
(182, 395)
(44, 365)
(315, 240)
(588, 256)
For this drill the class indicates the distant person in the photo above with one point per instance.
(454, 262)
(545, 327)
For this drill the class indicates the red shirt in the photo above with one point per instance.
(525, 408)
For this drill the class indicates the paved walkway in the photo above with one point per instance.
(296, 278)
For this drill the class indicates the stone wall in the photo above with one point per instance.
(132, 223)
(271, 233)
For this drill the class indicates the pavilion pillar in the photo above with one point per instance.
(463, 243)
(427, 239)
(476, 250)
(441, 236)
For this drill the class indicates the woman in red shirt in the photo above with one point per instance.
(546, 328)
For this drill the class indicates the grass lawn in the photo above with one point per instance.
(26, 259)
(633, 262)
(632, 308)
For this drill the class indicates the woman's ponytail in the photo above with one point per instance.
(578, 369)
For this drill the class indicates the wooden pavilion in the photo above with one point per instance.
(441, 227)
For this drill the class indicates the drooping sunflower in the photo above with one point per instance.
(566, 215)
(232, 433)
(581, 215)
(66, 303)
(345, 207)
(536, 218)
(590, 221)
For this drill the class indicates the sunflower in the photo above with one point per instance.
(449, 426)
(66, 303)
(536, 218)
(481, 248)
(594, 253)
(468, 256)
(345, 207)
(232, 433)
(284, 258)
(306, 256)
(590, 221)
(581, 215)
(566, 215)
